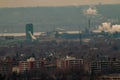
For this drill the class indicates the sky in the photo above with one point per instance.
(34, 3)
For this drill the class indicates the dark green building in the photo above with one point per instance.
(29, 31)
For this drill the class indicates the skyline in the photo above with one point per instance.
(41, 3)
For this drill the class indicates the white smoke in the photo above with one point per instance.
(32, 36)
(107, 27)
(91, 11)
(116, 28)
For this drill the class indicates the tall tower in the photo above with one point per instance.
(89, 26)
(29, 31)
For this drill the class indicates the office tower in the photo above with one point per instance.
(29, 31)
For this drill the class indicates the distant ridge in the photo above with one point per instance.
(50, 18)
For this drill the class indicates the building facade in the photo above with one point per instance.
(105, 67)
(74, 64)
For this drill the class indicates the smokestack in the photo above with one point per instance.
(80, 37)
(89, 24)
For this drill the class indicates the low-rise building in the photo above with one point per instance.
(109, 77)
(105, 67)
(6, 67)
(71, 63)
(30, 65)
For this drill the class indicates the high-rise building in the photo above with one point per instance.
(29, 31)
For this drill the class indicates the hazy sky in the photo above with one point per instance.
(30, 3)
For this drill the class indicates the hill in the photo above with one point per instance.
(49, 18)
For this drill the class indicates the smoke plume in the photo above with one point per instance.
(107, 27)
(116, 28)
(91, 11)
